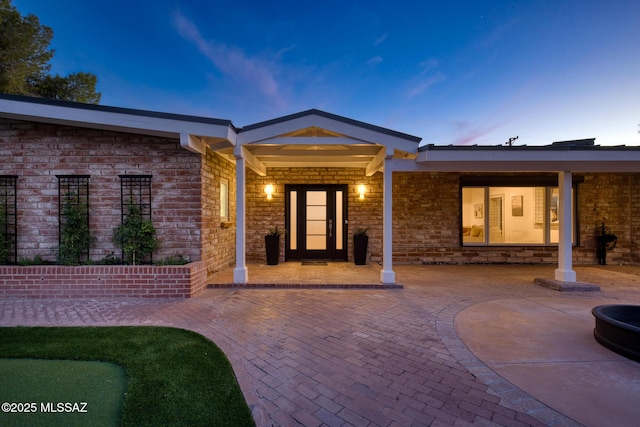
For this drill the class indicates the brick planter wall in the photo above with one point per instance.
(103, 281)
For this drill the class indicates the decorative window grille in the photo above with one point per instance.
(73, 189)
(136, 190)
(8, 219)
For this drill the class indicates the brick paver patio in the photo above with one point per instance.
(362, 357)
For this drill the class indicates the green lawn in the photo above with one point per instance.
(174, 377)
(61, 392)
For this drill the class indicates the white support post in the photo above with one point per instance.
(240, 273)
(387, 275)
(565, 272)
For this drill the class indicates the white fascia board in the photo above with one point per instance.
(109, 120)
(352, 131)
(599, 160)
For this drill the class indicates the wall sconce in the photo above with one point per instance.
(361, 191)
(269, 190)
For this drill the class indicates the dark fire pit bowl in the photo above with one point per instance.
(618, 328)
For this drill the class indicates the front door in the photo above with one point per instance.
(316, 222)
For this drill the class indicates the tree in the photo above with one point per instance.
(24, 61)
(79, 87)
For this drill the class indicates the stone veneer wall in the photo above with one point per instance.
(263, 214)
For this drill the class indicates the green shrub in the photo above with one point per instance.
(75, 236)
(136, 236)
(5, 242)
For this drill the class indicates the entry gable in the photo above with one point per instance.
(317, 138)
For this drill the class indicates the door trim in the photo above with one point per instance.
(300, 252)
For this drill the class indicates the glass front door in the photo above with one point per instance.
(316, 222)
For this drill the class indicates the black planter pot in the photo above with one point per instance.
(360, 249)
(272, 243)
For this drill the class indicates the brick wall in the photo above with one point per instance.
(102, 281)
(263, 214)
(37, 152)
(426, 218)
(219, 238)
(615, 200)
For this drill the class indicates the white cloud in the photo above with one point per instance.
(423, 84)
(429, 64)
(231, 60)
(380, 39)
(375, 60)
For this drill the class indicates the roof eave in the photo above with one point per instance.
(530, 159)
(113, 118)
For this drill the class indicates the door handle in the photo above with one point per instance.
(330, 227)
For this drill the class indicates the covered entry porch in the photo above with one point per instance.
(319, 177)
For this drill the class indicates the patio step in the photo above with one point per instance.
(306, 286)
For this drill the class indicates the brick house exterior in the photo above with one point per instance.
(411, 203)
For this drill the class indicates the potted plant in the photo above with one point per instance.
(360, 243)
(272, 243)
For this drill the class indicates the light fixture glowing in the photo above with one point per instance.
(361, 191)
(269, 190)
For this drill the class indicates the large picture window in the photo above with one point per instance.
(501, 215)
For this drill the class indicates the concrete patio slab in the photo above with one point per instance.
(557, 361)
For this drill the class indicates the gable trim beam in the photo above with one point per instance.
(192, 143)
(377, 163)
(251, 161)
(309, 140)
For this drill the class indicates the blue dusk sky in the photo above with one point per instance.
(451, 72)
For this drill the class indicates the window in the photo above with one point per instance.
(135, 190)
(224, 200)
(8, 221)
(510, 215)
